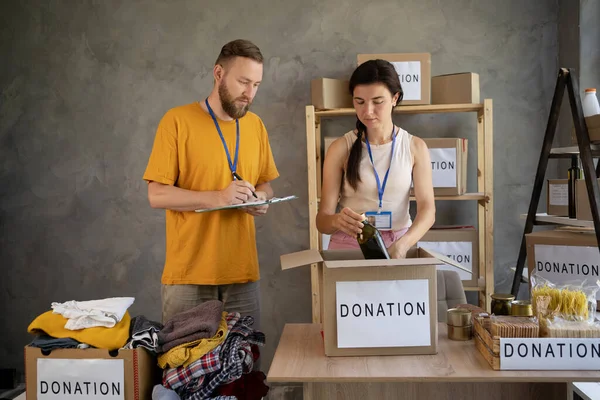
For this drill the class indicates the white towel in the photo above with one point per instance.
(88, 314)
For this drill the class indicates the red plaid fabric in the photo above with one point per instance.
(236, 358)
(193, 375)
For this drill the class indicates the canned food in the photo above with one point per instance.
(460, 332)
(458, 317)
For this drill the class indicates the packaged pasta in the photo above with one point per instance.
(570, 301)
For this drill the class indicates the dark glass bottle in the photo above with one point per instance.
(371, 243)
(574, 174)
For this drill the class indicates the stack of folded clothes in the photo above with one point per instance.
(102, 324)
(207, 353)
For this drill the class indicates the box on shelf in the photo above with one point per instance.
(593, 125)
(582, 201)
(449, 165)
(459, 88)
(90, 373)
(563, 257)
(414, 71)
(375, 307)
(327, 93)
(557, 199)
(458, 243)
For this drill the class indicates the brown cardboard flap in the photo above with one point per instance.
(444, 259)
(300, 258)
(380, 263)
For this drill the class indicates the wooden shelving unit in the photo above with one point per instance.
(483, 197)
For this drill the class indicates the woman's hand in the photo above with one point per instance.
(348, 222)
(398, 249)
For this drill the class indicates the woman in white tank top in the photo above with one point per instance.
(369, 171)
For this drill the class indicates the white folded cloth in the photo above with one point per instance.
(92, 313)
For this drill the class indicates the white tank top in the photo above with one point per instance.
(396, 196)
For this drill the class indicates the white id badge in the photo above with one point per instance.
(382, 220)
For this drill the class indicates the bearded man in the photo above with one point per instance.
(208, 154)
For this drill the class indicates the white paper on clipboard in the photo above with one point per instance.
(274, 200)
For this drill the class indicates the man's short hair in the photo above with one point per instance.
(239, 48)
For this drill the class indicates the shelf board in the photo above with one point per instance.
(419, 109)
(544, 218)
(467, 196)
(567, 152)
(474, 289)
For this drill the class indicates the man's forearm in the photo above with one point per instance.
(178, 199)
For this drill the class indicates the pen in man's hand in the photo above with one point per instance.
(239, 178)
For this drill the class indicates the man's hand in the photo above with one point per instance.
(237, 192)
(257, 211)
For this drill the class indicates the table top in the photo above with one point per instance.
(300, 357)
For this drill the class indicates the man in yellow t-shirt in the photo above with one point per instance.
(207, 154)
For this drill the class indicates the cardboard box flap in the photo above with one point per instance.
(444, 259)
(300, 258)
(379, 263)
(455, 73)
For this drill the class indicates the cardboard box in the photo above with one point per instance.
(460, 88)
(557, 199)
(593, 125)
(449, 165)
(563, 257)
(458, 243)
(375, 307)
(90, 373)
(414, 71)
(583, 210)
(327, 93)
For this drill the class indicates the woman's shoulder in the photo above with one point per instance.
(417, 145)
(342, 144)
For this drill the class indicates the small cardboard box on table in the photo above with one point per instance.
(375, 307)
(128, 374)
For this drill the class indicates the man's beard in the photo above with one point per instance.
(228, 103)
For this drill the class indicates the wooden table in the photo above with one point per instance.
(458, 371)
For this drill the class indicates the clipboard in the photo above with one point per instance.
(274, 200)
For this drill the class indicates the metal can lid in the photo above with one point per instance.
(503, 296)
(458, 311)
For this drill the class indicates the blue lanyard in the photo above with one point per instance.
(232, 165)
(380, 188)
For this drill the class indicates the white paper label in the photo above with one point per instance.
(559, 194)
(61, 379)
(564, 264)
(461, 252)
(383, 313)
(443, 167)
(549, 354)
(409, 73)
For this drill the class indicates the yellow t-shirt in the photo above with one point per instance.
(217, 247)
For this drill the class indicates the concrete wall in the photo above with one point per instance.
(83, 85)
(590, 44)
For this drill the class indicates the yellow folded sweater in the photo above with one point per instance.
(187, 353)
(100, 337)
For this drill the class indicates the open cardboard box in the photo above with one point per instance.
(376, 307)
